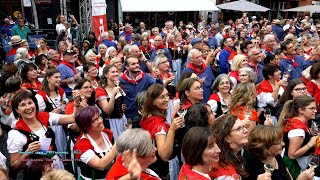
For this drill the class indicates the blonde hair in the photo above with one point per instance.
(100, 46)
(112, 61)
(236, 61)
(242, 94)
(58, 174)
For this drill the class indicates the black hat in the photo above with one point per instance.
(69, 51)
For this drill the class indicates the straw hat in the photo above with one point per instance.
(15, 40)
(277, 21)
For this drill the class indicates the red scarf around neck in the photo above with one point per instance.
(159, 47)
(145, 50)
(126, 77)
(285, 57)
(203, 67)
(294, 123)
(67, 63)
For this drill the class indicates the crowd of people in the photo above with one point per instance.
(192, 101)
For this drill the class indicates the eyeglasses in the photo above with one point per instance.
(163, 97)
(224, 83)
(312, 108)
(164, 62)
(241, 128)
(198, 89)
(300, 89)
(243, 75)
(278, 143)
(96, 120)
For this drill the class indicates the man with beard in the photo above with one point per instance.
(134, 81)
(198, 66)
(254, 63)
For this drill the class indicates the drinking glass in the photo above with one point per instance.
(71, 83)
(129, 124)
(247, 114)
(235, 177)
(267, 113)
(181, 113)
(285, 76)
(268, 168)
(313, 161)
(314, 128)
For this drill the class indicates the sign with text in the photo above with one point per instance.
(99, 18)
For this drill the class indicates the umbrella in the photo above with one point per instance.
(167, 5)
(308, 8)
(242, 5)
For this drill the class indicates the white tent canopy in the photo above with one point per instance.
(308, 8)
(167, 5)
(242, 5)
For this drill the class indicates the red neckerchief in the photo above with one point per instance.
(215, 97)
(107, 62)
(128, 33)
(12, 51)
(294, 123)
(43, 117)
(110, 38)
(269, 50)
(186, 105)
(145, 50)
(309, 51)
(168, 75)
(235, 74)
(203, 67)
(65, 62)
(187, 173)
(159, 47)
(126, 77)
(255, 67)
(265, 86)
(31, 86)
(55, 63)
(290, 59)
(228, 49)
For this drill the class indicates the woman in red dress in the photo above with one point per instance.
(145, 154)
(200, 151)
(154, 121)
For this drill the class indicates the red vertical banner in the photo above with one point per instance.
(99, 18)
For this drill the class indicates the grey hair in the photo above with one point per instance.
(21, 53)
(216, 82)
(110, 49)
(104, 35)
(155, 28)
(267, 37)
(136, 138)
(89, 53)
(126, 48)
(191, 52)
(158, 58)
(140, 98)
(252, 74)
(130, 48)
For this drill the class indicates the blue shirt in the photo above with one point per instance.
(132, 90)
(223, 61)
(109, 43)
(65, 73)
(296, 71)
(6, 29)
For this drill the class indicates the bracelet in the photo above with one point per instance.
(76, 105)
(308, 146)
